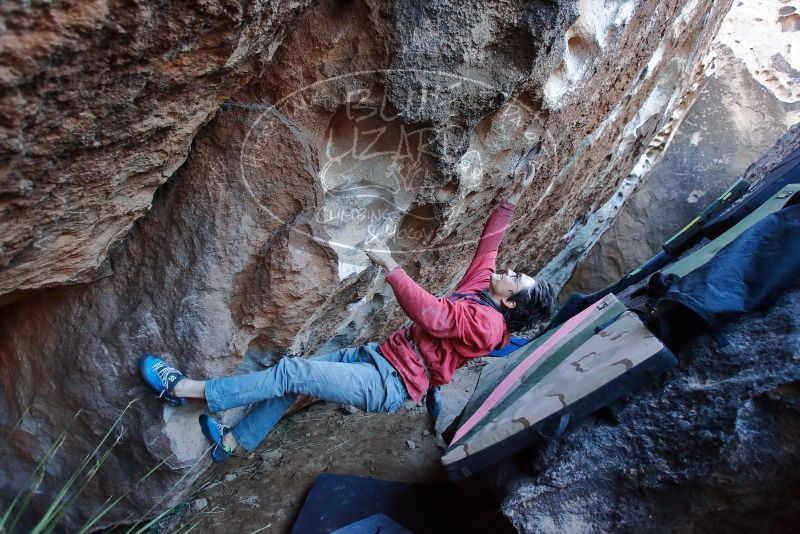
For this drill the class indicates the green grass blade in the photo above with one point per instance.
(97, 516)
(58, 505)
(191, 527)
(19, 422)
(168, 510)
(87, 477)
(37, 475)
(262, 528)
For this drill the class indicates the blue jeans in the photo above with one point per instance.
(358, 376)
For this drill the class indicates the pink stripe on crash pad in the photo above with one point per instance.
(505, 386)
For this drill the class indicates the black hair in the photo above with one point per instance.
(533, 305)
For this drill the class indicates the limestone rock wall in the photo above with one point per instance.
(99, 102)
(744, 101)
(399, 121)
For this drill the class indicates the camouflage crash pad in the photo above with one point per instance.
(566, 374)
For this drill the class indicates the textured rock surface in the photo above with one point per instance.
(99, 102)
(247, 252)
(712, 450)
(744, 103)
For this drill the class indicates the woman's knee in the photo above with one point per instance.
(291, 370)
(287, 365)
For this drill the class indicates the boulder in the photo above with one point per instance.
(745, 101)
(100, 102)
(397, 121)
(713, 448)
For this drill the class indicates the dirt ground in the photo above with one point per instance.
(263, 491)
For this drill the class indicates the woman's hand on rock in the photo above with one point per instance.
(382, 257)
(524, 178)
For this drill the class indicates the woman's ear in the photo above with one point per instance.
(508, 303)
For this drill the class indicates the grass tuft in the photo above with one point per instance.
(74, 486)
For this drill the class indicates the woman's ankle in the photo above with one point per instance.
(190, 389)
(229, 442)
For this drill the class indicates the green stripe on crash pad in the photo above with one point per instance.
(703, 255)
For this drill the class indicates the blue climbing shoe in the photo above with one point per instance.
(161, 377)
(213, 432)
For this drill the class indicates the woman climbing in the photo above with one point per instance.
(446, 333)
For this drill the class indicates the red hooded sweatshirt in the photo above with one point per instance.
(448, 331)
